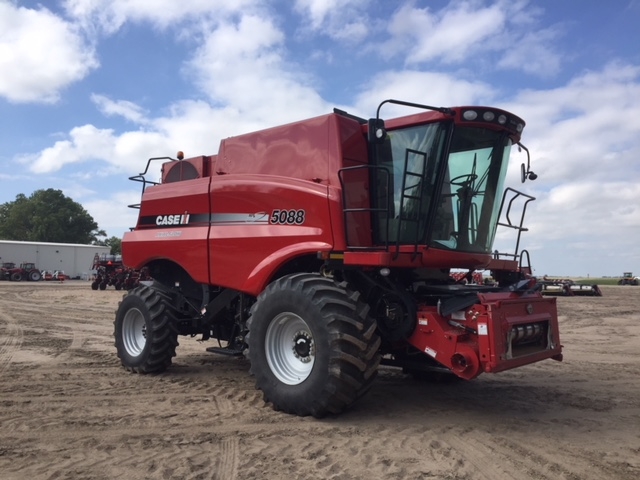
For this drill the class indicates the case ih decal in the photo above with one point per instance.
(174, 220)
(162, 220)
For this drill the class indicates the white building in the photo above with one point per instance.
(75, 260)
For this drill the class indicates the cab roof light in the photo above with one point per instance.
(488, 116)
(470, 115)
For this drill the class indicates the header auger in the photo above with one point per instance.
(322, 249)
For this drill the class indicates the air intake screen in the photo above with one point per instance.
(181, 171)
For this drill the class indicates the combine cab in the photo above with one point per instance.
(323, 248)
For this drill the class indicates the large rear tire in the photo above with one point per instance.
(313, 347)
(35, 276)
(145, 331)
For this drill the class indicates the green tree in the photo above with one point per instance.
(47, 216)
(115, 244)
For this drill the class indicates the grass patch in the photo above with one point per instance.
(597, 281)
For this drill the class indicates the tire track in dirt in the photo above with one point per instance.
(11, 338)
(489, 457)
(227, 464)
(187, 457)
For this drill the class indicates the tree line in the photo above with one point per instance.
(50, 216)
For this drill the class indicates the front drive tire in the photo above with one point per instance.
(145, 331)
(313, 347)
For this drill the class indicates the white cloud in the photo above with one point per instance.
(40, 55)
(435, 89)
(464, 31)
(242, 64)
(450, 34)
(108, 16)
(584, 139)
(584, 226)
(533, 53)
(317, 10)
(112, 214)
(123, 108)
(84, 143)
(343, 20)
(587, 129)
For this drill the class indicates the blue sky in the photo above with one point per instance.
(92, 88)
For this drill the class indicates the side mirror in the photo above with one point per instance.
(525, 172)
(377, 132)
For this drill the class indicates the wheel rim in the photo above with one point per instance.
(290, 348)
(134, 332)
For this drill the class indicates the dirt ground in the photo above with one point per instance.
(68, 409)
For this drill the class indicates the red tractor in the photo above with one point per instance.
(26, 271)
(322, 249)
(5, 270)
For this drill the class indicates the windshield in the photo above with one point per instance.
(468, 209)
(411, 161)
(465, 215)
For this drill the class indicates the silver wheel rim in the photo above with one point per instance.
(290, 348)
(134, 332)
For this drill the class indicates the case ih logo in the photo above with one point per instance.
(172, 219)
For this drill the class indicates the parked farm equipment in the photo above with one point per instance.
(568, 288)
(110, 271)
(475, 278)
(629, 279)
(26, 271)
(5, 270)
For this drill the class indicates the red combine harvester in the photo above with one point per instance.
(322, 248)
